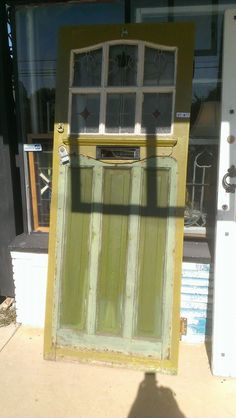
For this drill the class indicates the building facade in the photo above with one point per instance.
(28, 143)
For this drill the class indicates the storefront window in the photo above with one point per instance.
(36, 33)
(206, 97)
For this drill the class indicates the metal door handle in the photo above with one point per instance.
(229, 188)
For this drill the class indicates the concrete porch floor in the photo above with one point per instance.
(33, 387)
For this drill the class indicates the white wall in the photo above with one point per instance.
(30, 278)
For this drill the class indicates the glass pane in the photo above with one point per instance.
(122, 69)
(43, 178)
(207, 86)
(201, 186)
(85, 113)
(120, 113)
(205, 111)
(157, 113)
(88, 69)
(37, 37)
(159, 67)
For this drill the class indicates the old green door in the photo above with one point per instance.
(120, 145)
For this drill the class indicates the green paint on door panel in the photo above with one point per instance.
(76, 259)
(152, 245)
(112, 263)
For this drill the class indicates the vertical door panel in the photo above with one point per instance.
(112, 263)
(152, 247)
(77, 249)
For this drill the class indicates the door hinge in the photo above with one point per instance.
(183, 327)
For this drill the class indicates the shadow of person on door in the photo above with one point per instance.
(154, 401)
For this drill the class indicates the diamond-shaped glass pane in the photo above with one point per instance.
(122, 69)
(85, 113)
(88, 69)
(159, 67)
(120, 113)
(157, 113)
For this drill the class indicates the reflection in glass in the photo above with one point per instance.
(201, 183)
(37, 36)
(157, 113)
(88, 69)
(85, 113)
(122, 69)
(205, 110)
(207, 122)
(159, 67)
(120, 113)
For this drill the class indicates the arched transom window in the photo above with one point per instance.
(122, 88)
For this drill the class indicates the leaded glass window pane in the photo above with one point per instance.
(122, 70)
(159, 67)
(156, 113)
(85, 113)
(120, 113)
(88, 69)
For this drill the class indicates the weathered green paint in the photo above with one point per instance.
(136, 340)
(74, 294)
(112, 263)
(108, 267)
(152, 252)
(141, 347)
(95, 244)
(132, 254)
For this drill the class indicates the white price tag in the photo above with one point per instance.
(183, 115)
(32, 147)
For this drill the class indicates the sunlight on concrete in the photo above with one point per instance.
(33, 387)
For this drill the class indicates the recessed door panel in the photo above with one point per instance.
(152, 252)
(74, 293)
(114, 245)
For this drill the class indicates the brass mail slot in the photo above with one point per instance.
(118, 153)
